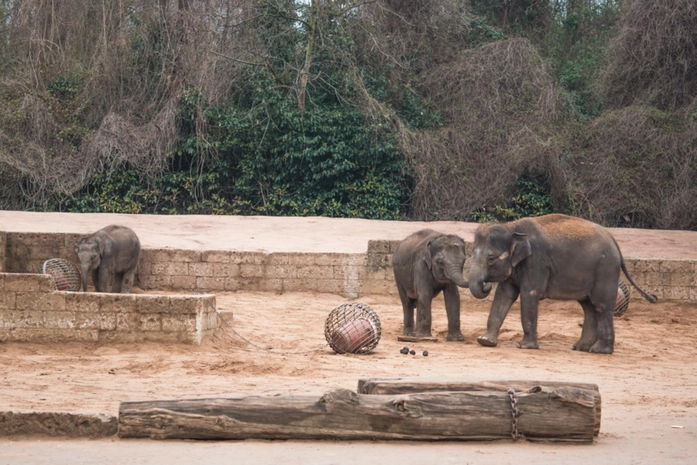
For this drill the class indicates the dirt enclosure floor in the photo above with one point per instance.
(648, 386)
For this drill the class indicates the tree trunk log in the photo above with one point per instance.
(392, 386)
(561, 414)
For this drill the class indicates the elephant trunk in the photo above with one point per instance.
(85, 274)
(478, 287)
(454, 274)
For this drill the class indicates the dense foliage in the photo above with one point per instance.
(471, 110)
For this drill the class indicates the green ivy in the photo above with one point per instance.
(271, 160)
(125, 190)
(580, 37)
(531, 199)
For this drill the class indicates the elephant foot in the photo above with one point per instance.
(602, 348)
(487, 341)
(526, 343)
(408, 332)
(423, 331)
(583, 346)
(458, 336)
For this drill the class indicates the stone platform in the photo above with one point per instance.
(205, 254)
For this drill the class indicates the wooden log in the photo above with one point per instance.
(406, 385)
(417, 339)
(564, 414)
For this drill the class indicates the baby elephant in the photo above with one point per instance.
(112, 252)
(424, 264)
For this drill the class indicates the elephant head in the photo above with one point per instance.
(89, 252)
(445, 257)
(497, 251)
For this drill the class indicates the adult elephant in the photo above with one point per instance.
(549, 257)
(110, 253)
(424, 264)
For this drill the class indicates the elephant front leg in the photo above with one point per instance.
(506, 294)
(95, 280)
(101, 284)
(423, 317)
(529, 303)
(408, 312)
(452, 308)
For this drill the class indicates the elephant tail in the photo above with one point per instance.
(650, 297)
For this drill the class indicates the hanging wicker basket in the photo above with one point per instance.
(65, 273)
(622, 301)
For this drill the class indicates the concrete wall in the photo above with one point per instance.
(26, 252)
(31, 310)
(205, 271)
(3, 248)
(212, 271)
(350, 275)
(667, 279)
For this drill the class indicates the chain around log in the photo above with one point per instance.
(514, 415)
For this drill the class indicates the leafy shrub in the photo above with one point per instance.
(272, 160)
(327, 160)
(530, 199)
(125, 190)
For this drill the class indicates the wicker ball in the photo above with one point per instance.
(352, 327)
(622, 301)
(65, 273)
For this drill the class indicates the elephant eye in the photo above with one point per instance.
(491, 259)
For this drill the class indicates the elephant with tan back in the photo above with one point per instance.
(424, 264)
(549, 257)
(112, 253)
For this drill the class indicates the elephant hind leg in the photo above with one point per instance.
(589, 334)
(603, 299)
(128, 278)
(606, 332)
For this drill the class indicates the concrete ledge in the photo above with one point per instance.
(219, 270)
(31, 310)
(668, 279)
(207, 271)
(58, 424)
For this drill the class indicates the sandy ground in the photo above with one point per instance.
(303, 234)
(648, 386)
(275, 344)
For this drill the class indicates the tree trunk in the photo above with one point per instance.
(304, 75)
(563, 414)
(392, 386)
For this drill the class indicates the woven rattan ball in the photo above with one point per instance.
(65, 273)
(622, 301)
(352, 328)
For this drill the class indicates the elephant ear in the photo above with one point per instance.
(521, 248)
(427, 255)
(102, 246)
